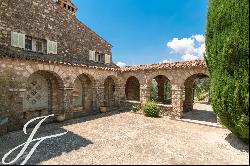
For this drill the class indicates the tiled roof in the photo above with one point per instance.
(172, 65)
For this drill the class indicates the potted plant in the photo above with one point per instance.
(61, 116)
(104, 107)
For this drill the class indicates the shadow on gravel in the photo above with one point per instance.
(49, 149)
(237, 143)
(201, 114)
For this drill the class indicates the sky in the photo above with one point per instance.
(148, 31)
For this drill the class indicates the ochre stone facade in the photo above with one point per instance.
(47, 20)
(69, 83)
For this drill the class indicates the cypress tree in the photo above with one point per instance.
(227, 51)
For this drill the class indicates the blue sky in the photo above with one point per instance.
(144, 31)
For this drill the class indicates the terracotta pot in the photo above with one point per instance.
(60, 118)
(104, 109)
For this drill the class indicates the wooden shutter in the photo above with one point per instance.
(51, 47)
(17, 40)
(91, 55)
(55, 47)
(14, 39)
(107, 59)
(21, 40)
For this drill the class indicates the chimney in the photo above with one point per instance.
(68, 6)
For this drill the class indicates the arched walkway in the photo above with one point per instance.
(82, 94)
(44, 95)
(197, 107)
(189, 91)
(160, 90)
(132, 89)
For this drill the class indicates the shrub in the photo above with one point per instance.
(151, 109)
(227, 51)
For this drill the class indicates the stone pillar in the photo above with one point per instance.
(144, 94)
(161, 89)
(177, 102)
(120, 95)
(99, 96)
(67, 99)
(189, 96)
(15, 114)
(94, 104)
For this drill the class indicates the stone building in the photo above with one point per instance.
(51, 63)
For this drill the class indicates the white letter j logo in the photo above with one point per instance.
(30, 139)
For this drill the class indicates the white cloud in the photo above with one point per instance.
(199, 38)
(166, 61)
(182, 46)
(190, 48)
(121, 64)
(189, 57)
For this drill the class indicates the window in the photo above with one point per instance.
(28, 43)
(37, 45)
(33, 44)
(65, 6)
(100, 57)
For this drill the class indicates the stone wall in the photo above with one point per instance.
(14, 88)
(99, 85)
(45, 19)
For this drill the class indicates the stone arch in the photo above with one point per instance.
(44, 94)
(164, 89)
(189, 90)
(132, 89)
(82, 95)
(109, 91)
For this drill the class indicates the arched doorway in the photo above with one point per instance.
(109, 92)
(82, 94)
(132, 89)
(191, 84)
(161, 90)
(43, 95)
(197, 105)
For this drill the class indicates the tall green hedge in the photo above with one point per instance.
(227, 51)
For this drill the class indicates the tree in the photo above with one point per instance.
(154, 90)
(227, 51)
(201, 89)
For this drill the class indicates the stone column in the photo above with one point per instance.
(161, 89)
(94, 104)
(67, 99)
(189, 96)
(99, 96)
(15, 99)
(144, 94)
(120, 95)
(177, 102)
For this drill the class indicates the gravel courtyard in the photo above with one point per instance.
(127, 138)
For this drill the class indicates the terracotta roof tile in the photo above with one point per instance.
(172, 65)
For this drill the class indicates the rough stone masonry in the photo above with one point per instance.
(50, 62)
